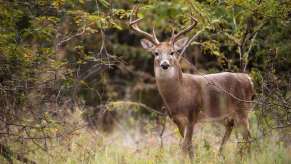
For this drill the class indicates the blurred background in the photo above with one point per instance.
(77, 87)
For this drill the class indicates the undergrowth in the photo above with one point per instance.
(129, 144)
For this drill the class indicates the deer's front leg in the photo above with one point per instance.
(180, 124)
(187, 141)
(186, 130)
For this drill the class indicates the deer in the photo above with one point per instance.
(224, 97)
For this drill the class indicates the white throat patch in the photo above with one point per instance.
(169, 73)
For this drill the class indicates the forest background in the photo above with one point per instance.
(76, 86)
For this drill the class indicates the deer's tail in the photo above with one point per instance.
(252, 87)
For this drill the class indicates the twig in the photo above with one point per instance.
(117, 103)
(162, 131)
(7, 153)
(72, 36)
(189, 42)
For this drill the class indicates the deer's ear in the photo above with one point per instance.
(181, 43)
(146, 44)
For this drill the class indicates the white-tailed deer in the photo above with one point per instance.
(224, 97)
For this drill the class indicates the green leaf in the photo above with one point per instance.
(104, 3)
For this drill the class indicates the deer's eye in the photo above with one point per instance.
(172, 53)
(156, 54)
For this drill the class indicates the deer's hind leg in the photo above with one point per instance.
(228, 129)
(242, 123)
(244, 129)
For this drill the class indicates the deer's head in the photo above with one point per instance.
(166, 53)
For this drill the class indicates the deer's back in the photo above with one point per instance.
(235, 85)
(225, 94)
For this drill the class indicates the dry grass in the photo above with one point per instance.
(130, 143)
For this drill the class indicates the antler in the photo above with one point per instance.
(133, 24)
(193, 24)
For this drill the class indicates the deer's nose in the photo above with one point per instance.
(165, 65)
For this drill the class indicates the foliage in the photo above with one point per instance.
(59, 57)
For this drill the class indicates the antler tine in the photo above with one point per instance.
(134, 26)
(189, 28)
(154, 35)
(173, 32)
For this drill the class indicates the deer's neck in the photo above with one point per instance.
(169, 82)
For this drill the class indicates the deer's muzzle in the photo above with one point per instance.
(165, 65)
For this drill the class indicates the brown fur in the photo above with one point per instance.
(224, 97)
(190, 98)
(217, 97)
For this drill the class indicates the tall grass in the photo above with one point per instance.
(129, 145)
